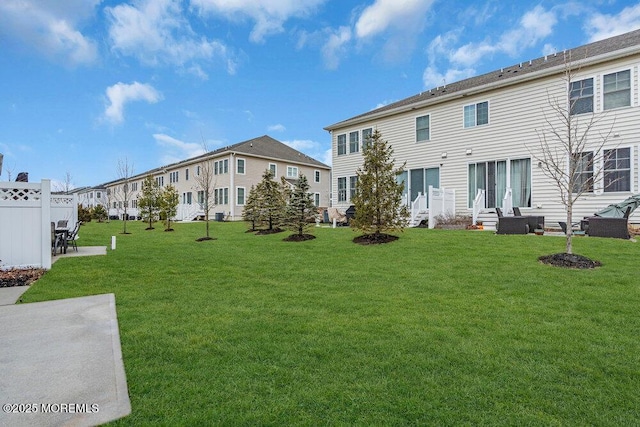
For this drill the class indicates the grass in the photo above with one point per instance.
(440, 327)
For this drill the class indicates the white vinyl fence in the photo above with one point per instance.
(26, 212)
(442, 201)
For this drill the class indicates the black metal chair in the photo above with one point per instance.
(72, 236)
(56, 240)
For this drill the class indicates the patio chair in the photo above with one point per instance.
(62, 223)
(56, 240)
(73, 236)
(610, 227)
(511, 224)
(536, 222)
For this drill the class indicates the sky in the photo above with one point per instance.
(85, 84)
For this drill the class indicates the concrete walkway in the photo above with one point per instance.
(61, 361)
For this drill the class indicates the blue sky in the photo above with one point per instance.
(84, 83)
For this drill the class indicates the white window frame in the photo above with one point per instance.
(593, 95)
(475, 113)
(429, 128)
(631, 88)
(291, 169)
(244, 166)
(244, 196)
(275, 169)
(342, 144)
(316, 199)
(317, 175)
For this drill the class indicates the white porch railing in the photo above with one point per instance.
(507, 202)
(441, 202)
(479, 204)
(418, 206)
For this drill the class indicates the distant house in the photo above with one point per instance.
(90, 197)
(472, 136)
(236, 168)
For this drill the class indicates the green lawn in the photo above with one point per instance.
(439, 327)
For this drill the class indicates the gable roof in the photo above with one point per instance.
(592, 53)
(263, 147)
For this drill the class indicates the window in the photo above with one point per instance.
(273, 169)
(520, 183)
(617, 90)
(201, 197)
(198, 170)
(160, 181)
(342, 144)
(354, 142)
(221, 196)
(316, 199)
(240, 196)
(422, 128)
(476, 114)
(292, 172)
(581, 97)
(366, 138)
(342, 189)
(186, 174)
(98, 195)
(240, 166)
(173, 177)
(353, 186)
(134, 186)
(221, 167)
(617, 170)
(582, 167)
(186, 198)
(495, 176)
(316, 176)
(134, 203)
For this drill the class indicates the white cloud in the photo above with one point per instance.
(601, 26)
(311, 148)
(335, 47)
(535, 25)
(277, 128)
(383, 14)
(178, 150)
(121, 93)
(432, 78)
(51, 28)
(156, 32)
(269, 16)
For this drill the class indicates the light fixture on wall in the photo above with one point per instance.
(444, 155)
(469, 151)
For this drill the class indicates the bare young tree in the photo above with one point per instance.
(571, 151)
(124, 193)
(205, 186)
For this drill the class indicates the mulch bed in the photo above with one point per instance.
(566, 260)
(272, 231)
(299, 238)
(374, 239)
(19, 276)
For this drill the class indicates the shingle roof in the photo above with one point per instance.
(263, 146)
(627, 43)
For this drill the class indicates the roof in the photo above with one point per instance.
(618, 46)
(263, 147)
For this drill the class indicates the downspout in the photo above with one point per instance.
(232, 181)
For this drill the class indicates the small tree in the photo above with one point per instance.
(378, 198)
(205, 185)
(271, 202)
(300, 209)
(84, 214)
(568, 153)
(125, 172)
(251, 211)
(169, 200)
(99, 213)
(149, 202)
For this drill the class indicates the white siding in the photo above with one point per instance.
(516, 114)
